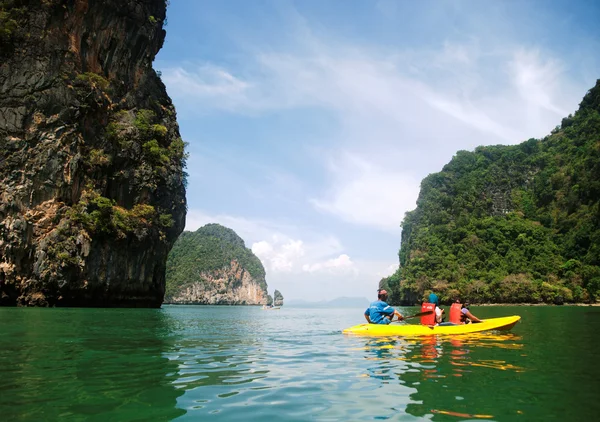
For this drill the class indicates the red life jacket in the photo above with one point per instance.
(428, 319)
(455, 313)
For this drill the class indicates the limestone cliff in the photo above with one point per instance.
(232, 285)
(92, 191)
(212, 266)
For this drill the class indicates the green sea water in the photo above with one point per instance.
(246, 364)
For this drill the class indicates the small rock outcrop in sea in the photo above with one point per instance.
(212, 266)
(277, 298)
(92, 191)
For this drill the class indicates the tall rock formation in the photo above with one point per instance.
(212, 266)
(92, 191)
(277, 298)
(510, 224)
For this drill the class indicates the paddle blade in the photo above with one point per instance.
(419, 314)
(414, 316)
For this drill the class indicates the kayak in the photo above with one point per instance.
(504, 323)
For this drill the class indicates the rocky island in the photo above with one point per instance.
(212, 266)
(277, 298)
(92, 193)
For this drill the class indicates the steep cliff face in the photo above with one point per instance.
(232, 285)
(212, 266)
(92, 191)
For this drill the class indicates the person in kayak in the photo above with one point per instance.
(439, 312)
(466, 316)
(379, 312)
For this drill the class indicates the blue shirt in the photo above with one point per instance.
(377, 312)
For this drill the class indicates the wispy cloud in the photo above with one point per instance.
(341, 264)
(365, 193)
(390, 100)
(536, 79)
(211, 84)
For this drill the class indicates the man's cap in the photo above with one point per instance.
(382, 292)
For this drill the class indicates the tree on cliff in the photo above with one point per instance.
(213, 252)
(510, 223)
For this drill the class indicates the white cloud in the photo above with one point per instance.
(389, 270)
(341, 264)
(208, 82)
(367, 194)
(282, 257)
(536, 79)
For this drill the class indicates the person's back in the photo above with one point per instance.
(439, 312)
(456, 314)
(379, 312)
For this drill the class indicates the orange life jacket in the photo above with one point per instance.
(455, 313)
(428, 319)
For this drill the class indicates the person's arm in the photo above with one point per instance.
(472, 317)
(439, 316)
(367, 316)
(398, 315)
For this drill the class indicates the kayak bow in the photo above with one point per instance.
(504, 323)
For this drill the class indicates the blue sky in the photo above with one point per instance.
(312, 123)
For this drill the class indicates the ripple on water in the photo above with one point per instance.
(238, 363)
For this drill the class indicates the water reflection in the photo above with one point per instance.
(91, 364)
(425, 364)
(219, 365)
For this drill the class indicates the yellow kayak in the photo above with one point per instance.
(504, 323)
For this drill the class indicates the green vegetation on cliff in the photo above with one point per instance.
(510, 224)
(211, 247)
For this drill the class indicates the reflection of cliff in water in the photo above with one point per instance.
(86, 363)
(437, 371)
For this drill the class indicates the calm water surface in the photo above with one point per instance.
(246, 364)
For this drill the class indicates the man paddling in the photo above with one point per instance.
(379, 312)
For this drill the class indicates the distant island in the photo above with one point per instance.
(340, 302)
(510, 224)
(212, 266)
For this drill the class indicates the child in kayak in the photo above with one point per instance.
(379, 312)
(439, 312)
(466, 316)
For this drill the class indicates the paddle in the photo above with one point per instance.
(415, 315)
